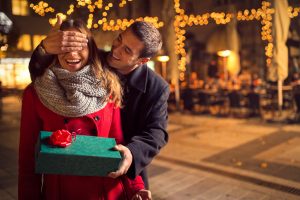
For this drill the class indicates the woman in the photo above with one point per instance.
(78, 94)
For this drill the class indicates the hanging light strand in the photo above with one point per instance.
(181, 21)
(41, 8)
(293, 12)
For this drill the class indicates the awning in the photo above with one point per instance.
(279, 68)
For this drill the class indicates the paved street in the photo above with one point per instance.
(223, 158)
(207, 158)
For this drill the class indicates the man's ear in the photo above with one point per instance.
(143, 60)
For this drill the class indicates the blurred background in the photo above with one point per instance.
(234, 72)
(218, 55)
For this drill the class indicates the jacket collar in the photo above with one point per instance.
(138, 78)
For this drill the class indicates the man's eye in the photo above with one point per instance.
(127, 50)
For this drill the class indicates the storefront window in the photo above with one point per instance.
(24, 42)
(14, 72)
(37, 39)
(20, 7)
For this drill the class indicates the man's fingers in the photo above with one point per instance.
(73, 44)
(114, 174)
(120, 148)
(70, 49)
(77, 35)
(125, 163)
(58, 41)
(121, 171)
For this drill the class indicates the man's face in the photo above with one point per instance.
(125, 52)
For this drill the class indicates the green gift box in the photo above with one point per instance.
(86, 156)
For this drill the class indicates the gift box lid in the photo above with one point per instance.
(82, 146)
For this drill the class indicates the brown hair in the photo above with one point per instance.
(109, 79)
(150, 37)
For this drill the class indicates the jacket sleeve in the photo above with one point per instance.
(145, 146)
(132, 186)
(38, 63)
(29, 185)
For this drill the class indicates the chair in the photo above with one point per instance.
(236, 103)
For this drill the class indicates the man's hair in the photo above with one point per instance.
(150, 37)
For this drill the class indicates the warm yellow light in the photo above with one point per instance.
(4, 48)
(224, 53)
(163, 58)
(263, 14)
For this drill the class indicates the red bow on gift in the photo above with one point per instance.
(62, 138)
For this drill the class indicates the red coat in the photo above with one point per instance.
(36, 117)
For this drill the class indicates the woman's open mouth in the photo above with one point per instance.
(73, 62)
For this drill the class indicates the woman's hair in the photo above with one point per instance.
(109, 79)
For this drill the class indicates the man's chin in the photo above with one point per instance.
(111, 63)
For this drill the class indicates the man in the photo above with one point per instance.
(144, 115)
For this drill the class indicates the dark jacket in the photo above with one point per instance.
(144, 115)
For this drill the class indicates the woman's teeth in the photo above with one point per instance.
(73, 61)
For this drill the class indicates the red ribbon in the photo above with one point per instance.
(62, 138)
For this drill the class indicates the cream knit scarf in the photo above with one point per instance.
(71, 94)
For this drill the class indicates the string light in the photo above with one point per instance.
(266, 33)
(293, 12)
(41, 8)
(71, 9)
(263, 14)
(95, 6)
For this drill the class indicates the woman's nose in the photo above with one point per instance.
(73, 53)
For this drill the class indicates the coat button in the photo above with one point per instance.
(66, 121)
(96, 118)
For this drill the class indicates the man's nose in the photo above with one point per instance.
(117, 48)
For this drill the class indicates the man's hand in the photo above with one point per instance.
(59, 41)
(125, 163)
(142, 195)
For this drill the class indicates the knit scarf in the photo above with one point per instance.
(71, 94)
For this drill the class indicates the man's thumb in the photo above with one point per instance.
(117, 147)
(58, 22)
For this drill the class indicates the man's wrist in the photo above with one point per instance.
(42, 49)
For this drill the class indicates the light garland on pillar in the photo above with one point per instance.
(263, 14)
(266, 33)
(180, 22)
